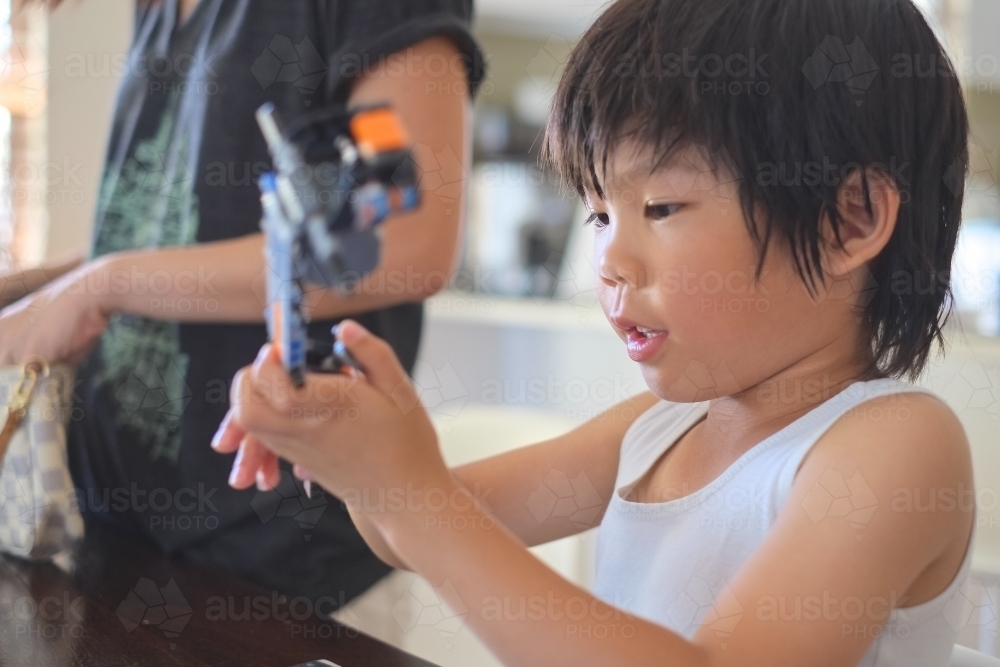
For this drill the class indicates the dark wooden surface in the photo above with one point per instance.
(124, 604)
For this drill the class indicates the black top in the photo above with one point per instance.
(182, 163)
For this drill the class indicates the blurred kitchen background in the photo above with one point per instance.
(516, 350)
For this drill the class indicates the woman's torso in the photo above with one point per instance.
(182, 164)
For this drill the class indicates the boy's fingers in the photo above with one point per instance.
(246, 401)
(228, 436)
(260, 396)
(267, 353)
(248, 462)
(253, 404)
(303, 473)
(268, 475)
(271, 381)
(382, 368)
(237, 475)
(238, 388)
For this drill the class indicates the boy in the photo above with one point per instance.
(725, 537)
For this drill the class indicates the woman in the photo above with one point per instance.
(170, 303)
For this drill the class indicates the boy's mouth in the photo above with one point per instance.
(643, 343)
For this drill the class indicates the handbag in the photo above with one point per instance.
(39, 514)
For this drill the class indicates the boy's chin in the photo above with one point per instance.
(694, 383)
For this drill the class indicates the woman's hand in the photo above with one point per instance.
(355, 436)
(19, 283)
(60, 322)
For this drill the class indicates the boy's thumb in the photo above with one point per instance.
(381, 367)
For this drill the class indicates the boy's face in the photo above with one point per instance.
(676, 265)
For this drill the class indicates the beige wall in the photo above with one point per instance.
(84, 38)
(512, 58)
(984, 114)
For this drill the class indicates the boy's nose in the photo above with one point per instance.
(618, 264)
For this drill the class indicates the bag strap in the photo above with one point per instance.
(17, 406)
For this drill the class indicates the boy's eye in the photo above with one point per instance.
(599, 219)
(660, 211)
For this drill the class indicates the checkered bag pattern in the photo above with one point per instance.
(39, 516)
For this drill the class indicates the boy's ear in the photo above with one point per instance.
(864, 232)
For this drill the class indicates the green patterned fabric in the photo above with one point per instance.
(143, 364)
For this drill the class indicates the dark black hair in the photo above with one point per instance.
(789, 97)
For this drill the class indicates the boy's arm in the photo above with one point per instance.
(508, 484)
(844, 571)
(839, 576)
(587, 456)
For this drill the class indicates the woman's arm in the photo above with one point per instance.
(225, 281)
(505, 483)
(19, 284)
(227, 278)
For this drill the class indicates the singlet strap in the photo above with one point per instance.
(816, 423)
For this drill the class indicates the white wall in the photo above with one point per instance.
(85, 37)
(983, 28)
(540, 18)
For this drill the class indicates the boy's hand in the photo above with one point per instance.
(254, 461)
(350, 434)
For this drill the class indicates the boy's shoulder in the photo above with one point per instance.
(905, 462)
(908, 441)
(917, 426)
(904, 419)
